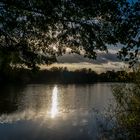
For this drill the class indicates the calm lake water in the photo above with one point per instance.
(52, 112)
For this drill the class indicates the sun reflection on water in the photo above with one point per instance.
(54, 107)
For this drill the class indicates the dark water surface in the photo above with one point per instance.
(52, 112)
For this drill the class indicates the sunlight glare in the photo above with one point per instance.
(54, 108)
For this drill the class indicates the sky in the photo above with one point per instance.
(105, 61)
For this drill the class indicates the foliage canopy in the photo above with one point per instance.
(37, 31)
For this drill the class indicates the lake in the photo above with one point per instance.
(52, 112)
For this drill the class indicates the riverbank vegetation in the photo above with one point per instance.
(123, 121)
(63, 75)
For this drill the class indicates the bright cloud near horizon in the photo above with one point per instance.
(105, 61)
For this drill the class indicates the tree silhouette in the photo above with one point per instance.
(37, 31)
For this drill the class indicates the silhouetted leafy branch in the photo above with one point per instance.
(47, 27)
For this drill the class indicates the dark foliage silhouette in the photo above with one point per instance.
(34, 32)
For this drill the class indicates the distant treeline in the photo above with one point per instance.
(63, 75)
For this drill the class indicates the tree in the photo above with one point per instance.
(37, 31)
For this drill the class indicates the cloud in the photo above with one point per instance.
(104, 61)
(101, 58)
